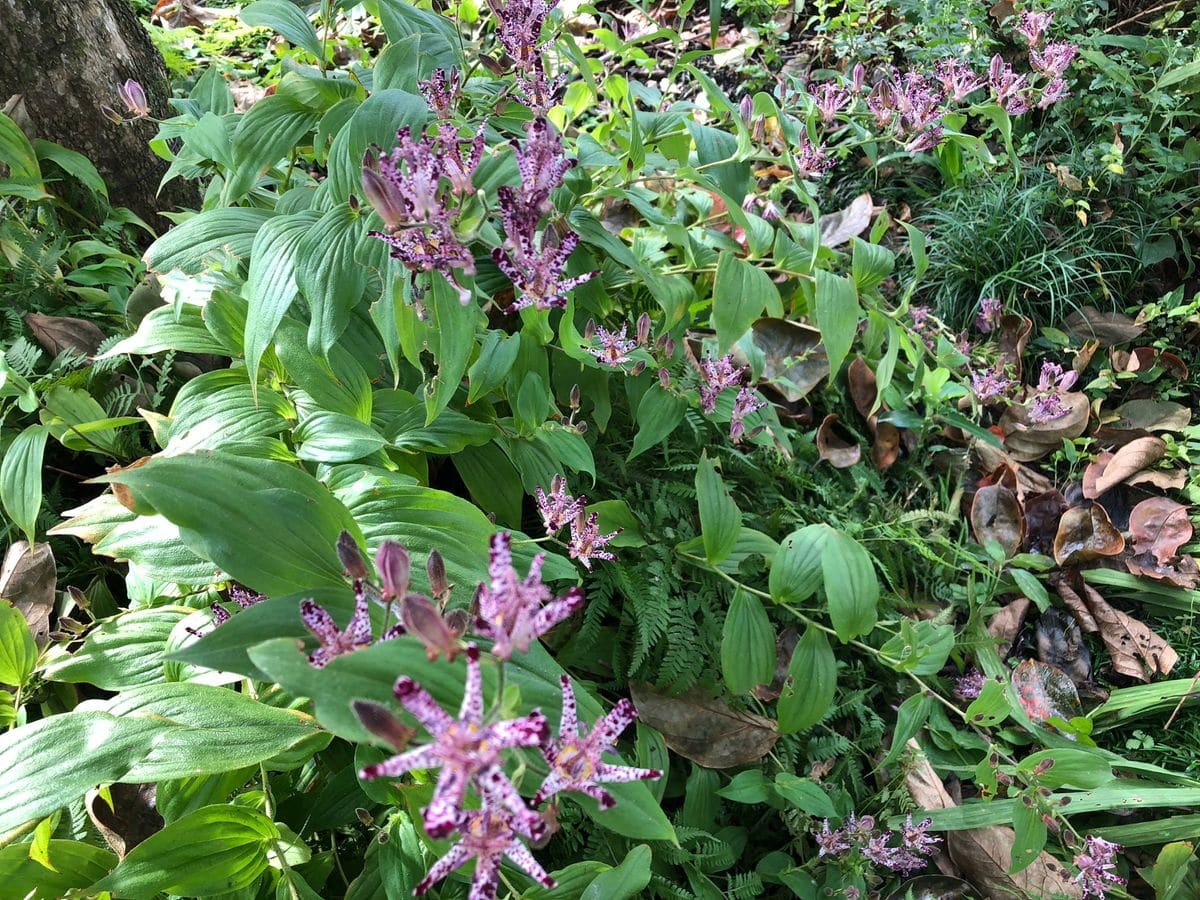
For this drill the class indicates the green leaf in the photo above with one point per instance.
(188, 245)
(1030, 836)
(811, 683)
(805, 794)
(401, 19)
(214, 850)
(494, 484)
(837, 313)
(1179, 74)
(271, 285)
(720, 518)
(717, 150)
(750, 786)
(381, 115)
(74, 866)
(165, 329)
(18, 155)
(338, 384)
(870, 264)
(497, 355)
(74, 164)
(990, 707)
(452, 336)
(851, 586)
(18, 652)
(224, 506)
(747, 644)
(329, 276)
(218, 409)
(909, 718)
(288, 20)
(741, 292)
(1081, 769)
(796, 571)
(920, 647)
(332, 437)
(122, 652)
(1031, 587)
(614, 515)
(657, 416)
(370, 673)
(21, 480)
(628, 879)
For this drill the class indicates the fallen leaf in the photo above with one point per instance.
(1078, 608)
(708, 732)
(1026, 441)
(1135, 650)
(785, 646)
(996, 516)
(886, 449)
(861, 381)
(28, 578)
(794, 360)
(1043, 512)
(1183, 572)
(1110, 328)
(838, 227)
(1003, 474)
(1167, 480)
(1083, 356)
(1005, 625)
(1159, 526)
(59, 333)
(1060, 643)
(1001, 10)
(1128, 461)
(1013, 336)
(1028, 481)
(1093, 471)
(1143, 359)
(1151, 415)
(1045, 691)
(1085, 534)
(833, 447)
(130, 820)
(984, 855)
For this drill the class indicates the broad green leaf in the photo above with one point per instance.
(332, 437)
(870, 264)
(1030, 833)
(614, 515)
(218, 409)
(920, 647)
(496, 357)
(74, 164)
(796, 571)
(215, 850)
(288, 20)
(851, 586)
(17, 154)
(18, 652)
(224, 506)
(123, 652)
(747, 644)
(338, 384)
(741, 292)
(811, 683)
(628, 879)
(658, 414)
(838, 313)
(909, 718)
(212, 93)
(165, 329)
(1081, 769)
(370, 673)
(271, 285)
(717, 150)
(452, 339)
(401, 19)
(329, 276)
(990, 707)
(188, 245)
(750, 786)
(73, 865)
(494, 484)
(720, 518)
(400, 858)
(381, 115)
(21, 480)
(804, 794)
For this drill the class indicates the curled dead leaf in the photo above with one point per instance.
(794, 360)
(59, 333)
(1159, 526)
(886, 448)
(1043, 512)
(1150, 415)
(709, 732)
(1013, 337)
(28, 578)
(1182, 572)
(1128, 461)
(1135, 650)
(1028, 480)
(838, 227)
(861, 381)
(130, 819)
(1006, 624)
(996, 516)
(1109, 328)
(984, 855)
(1086, 534)
(834, 447)
(1167, 480)
(1026, 441)
(1143, 359)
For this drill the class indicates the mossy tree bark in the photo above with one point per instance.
(67, 58)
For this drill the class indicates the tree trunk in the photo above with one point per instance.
(67, 59)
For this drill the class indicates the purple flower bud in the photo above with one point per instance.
(134, 98)
(664, 378)
(857, 77)
(589, 330)
(395, 569)
(746, 109)
(435, 568)
(383, 198)
(425, 622)
(351, 557)
(378, 720)
(643, 329)
(574, 400)
(638, 368)
(111, 114)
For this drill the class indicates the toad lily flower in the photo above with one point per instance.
(488, 835)
(134, 98)
(558, 508)
(717, 374)
(514, 613)
(586, 540)
(576, 758)
(333, 641)
(747, 402)
(1047, 402)
(614, 347)
(466, 750)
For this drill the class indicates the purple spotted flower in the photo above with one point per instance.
(902, 851)
(831, 842)
(747, 402)
(467, 751)
(717, 374)
(515, 612)
(519, 29)
(898, 859)
(488, 835)
(882, 103)
(334, 642)
(243, 597)
(1097, 864)
(1054, 59)
(988, 384)
(442, 92)
(1008, 87)
(1047, 403)
(991, 309)
(587, 543)
(916, 838)
(1055, 90)
(830, 98)
(1033, 26)
(969, 686)
(558, 508)
(957, 79)
(614, 347)
(538, 90)
(134, 98)
(576, 758)
(811, 159)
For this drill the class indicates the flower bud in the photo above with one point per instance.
(589, 330)
(111, 114)
(857, 77)
(746, 109)
(643, 329)
(669, 347)
(759, 130)
(351, 557)
(575, 396)
(134, 98)
(425, 622)
(581, 427)
(395, 569)
(383, 198)
(638, 368)
(435, 567)
(1044, 766)
(664, 378)
(378, 719)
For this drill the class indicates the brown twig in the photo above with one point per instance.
(1143, 14)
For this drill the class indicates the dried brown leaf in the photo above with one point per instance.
(28, 578)
(984, 855)
(1086, 534)
(1167, 480)
(834, 447)
(1028, 481)
(709, 732)
(1060, 643)
(861, 381)
(1182, 572)
(1013, 336)
(1005, 625)
(996, 516)
(794, 360)
(1151, 415)
(1026, 441)
(1135, 650)
(886, 449)
(131, 819)
(1125, 463)
(1043, 512)
(1077, 607)
(1110, 328)
(59, 333)
(838, 227)
(1159, 526)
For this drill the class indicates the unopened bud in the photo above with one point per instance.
(1044, 766)
(746, 109)
(664, 378)
(435, 567)
(395, 569)
(351, 557)
(574, 401)
(638, 368)
(134, 98)
(111, 114)
(643, 329)
(669, 347)
(1050, 823)
(363, 816)
(589, 330)
(378, 719)
(581, 427)
(758, 130)
(857, 77)
(383, 198)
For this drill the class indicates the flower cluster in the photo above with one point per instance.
(717, 374)
(536, 267)
(442, 92)
(969, 686)
(1050, 60)
(990, 384)
(559, 509)
(1047, 403)
(519, 26)
(411, 189)
(904, 851)
(243, 597)
(991, 310)
(1096, 864)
